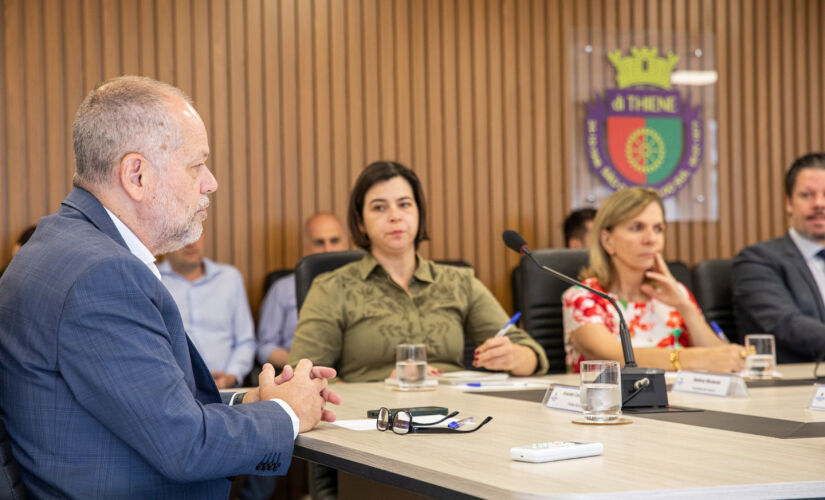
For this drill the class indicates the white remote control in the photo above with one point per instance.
(555, 450)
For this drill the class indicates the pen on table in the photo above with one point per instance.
(501, 383)
(508, 325)
(719, 332)
(455, 424)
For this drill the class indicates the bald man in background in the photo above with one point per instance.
(323, 232)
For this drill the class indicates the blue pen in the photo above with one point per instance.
(719, 332)
(455, 424)
(508, 325)
(494, 383)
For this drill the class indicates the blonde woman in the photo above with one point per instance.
(666, 326)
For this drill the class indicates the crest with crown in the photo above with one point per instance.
(643, 67)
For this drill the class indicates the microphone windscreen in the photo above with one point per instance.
(513, 240)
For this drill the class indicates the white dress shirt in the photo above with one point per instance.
(140, 251)
(810, 250)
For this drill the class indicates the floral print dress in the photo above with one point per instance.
(650, 324)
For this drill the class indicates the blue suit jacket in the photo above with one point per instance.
(775, 292)
(101, 391)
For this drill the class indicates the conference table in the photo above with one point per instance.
(759, 455)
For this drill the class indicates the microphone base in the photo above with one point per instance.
(652, 395)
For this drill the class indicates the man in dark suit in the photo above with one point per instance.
(779, 285)
(101, 391)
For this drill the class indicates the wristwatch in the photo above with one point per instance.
(237, 398)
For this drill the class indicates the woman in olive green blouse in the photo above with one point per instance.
(354, 316)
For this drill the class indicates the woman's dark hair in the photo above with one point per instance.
(382, 171)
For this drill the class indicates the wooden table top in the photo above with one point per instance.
(646, 458)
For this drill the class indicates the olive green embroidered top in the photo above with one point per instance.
(354, 317)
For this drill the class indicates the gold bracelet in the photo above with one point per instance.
(674, 359)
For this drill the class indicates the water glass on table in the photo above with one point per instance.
(760, 358)
(601, 394)
(411, 365)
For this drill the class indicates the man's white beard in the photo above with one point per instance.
(171, 235)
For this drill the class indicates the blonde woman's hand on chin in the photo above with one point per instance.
(664, 287)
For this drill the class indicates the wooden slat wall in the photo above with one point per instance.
(298, 95)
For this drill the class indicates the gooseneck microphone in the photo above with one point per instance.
(641, 387)
(515, 242)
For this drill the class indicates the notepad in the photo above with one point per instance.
(465, 377)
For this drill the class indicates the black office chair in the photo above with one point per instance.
(681, 272)
(515, 288)
(312, 265)
(11, 485)
(540, 295)
(274, 276)
(713, 292)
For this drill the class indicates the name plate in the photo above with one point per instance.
(818, 399)
(563, 397)
(712, 384)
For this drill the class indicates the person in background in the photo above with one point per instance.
(323, 232)
(665, 324)
(212, 301)
(103, 394)
(356, 315)
(779, 285)
(24, 237)
(577, 228)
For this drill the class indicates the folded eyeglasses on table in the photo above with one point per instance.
(401, 422)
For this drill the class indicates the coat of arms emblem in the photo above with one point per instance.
(643, 133)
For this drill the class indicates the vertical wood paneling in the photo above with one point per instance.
(773, 68)
(110, 18)
(761, 158)
(273, 164)
(495, 138)
(354, 105)
(239, 167)
(510, 172)
(289, 123)
(255, 141)
(298, 95)
(307, 87)
(339, 154)
(385, 78)
(34, 168)
(18, 216)
(453, 188)
(465, 157)
(557, 94)
(164, 37)
(6, 230)
(481, 146)
(323, 107)
(56, 119)
(435, 127)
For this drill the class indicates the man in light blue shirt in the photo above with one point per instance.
(323, 232)
(212, 301)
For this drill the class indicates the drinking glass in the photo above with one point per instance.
(760, 360)
(411, 365)
(601, 394)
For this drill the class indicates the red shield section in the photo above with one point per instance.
(619, 129)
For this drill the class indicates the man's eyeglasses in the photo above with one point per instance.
(401, 422)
